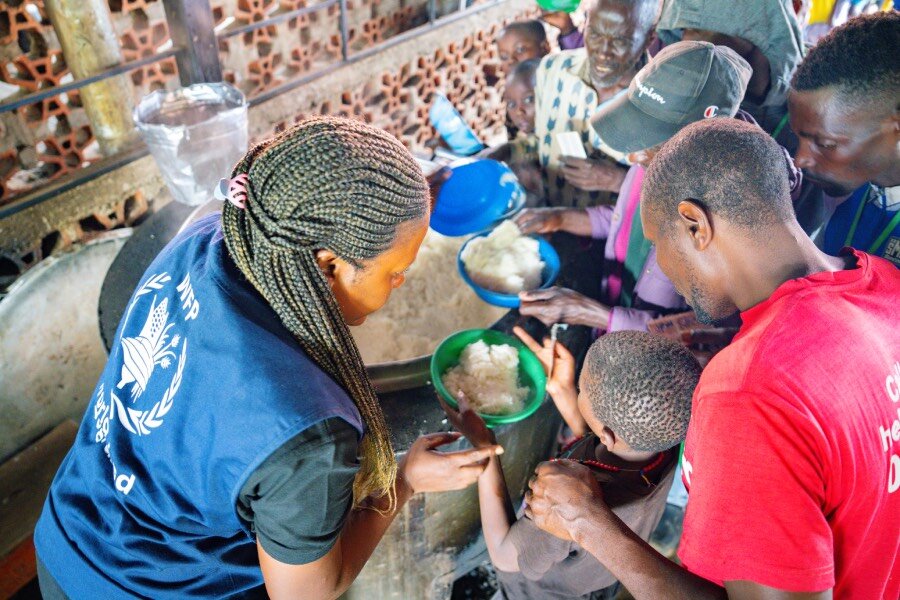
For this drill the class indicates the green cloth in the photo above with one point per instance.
(635, 259)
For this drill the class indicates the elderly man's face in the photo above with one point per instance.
(614, 40)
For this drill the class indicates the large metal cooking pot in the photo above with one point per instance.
(400, 374)
(51, 353)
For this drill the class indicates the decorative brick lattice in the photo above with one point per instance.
(48, 140)
(398, 100)
(38, 73)
(65, 151)
(126, 213)
(142, 41)
(36, 143)
(36, 140)
(304, 43)
(17, 16)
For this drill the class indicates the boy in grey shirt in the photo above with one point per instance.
(633, 410)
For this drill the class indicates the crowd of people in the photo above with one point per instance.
(730, 169)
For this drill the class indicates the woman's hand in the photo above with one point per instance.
(469, 423)
(562, 493)
(540, 220)
(593, 175)
(549, 220)
(424, 469)
(562, 305)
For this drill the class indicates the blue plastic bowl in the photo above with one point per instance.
(548, 277)
(479, 193)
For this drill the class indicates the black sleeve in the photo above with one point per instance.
(298, 498)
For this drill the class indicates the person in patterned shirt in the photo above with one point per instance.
(572, 84)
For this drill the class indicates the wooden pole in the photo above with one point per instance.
(90, 46)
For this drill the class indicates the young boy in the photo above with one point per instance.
(520, 41)
(634, 405)
(521, 149)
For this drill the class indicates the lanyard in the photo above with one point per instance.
(780, 126)
(848, 241)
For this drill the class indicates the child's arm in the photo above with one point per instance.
(561, 381)
(497, 514)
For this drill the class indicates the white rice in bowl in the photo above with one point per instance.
(488, 376)
(504, 261)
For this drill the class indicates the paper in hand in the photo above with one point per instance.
(570, 144)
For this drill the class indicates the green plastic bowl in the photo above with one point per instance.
(568, 6)
(531, 371)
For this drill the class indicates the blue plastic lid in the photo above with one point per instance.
(479, 194)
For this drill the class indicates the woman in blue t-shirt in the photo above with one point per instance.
(234, 445)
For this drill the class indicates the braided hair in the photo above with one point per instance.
(335, 184)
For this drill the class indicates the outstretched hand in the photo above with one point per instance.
(559, 19)
(562, 305)
(425, 469)
(561, 493)
(593, 175)
(469, 423)
(558, 362)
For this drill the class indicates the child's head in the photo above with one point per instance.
(519, 95)
(636, 391)
(520, 41)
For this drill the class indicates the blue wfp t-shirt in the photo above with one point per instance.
(172, 468)
(870, 208)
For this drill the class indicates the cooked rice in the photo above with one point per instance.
(488, 376)
(504, 261)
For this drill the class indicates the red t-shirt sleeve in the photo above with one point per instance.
(757, 492)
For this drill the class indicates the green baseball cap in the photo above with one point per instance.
(684, 83)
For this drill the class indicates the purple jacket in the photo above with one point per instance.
(570, 41)
(652, 287)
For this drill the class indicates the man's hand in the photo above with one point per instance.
(593, 175)
(559, 19)
(562, 492)
(562, 305)
(424, 469)
(469, 423)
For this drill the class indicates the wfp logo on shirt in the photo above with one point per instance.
(158, 350)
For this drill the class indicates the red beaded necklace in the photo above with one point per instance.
(657, 461)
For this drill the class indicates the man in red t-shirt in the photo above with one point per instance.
(793, 451)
